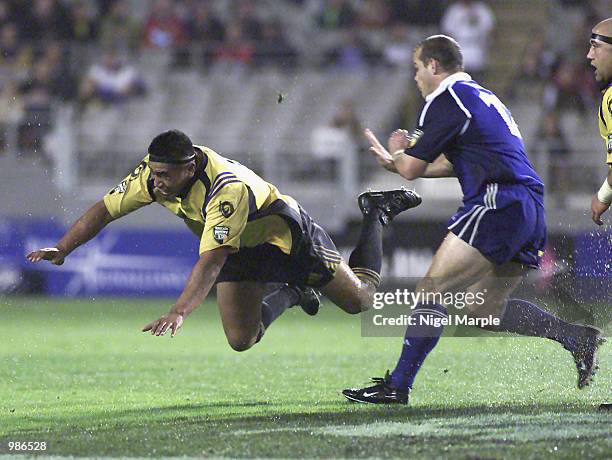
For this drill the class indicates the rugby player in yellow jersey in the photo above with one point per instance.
(250, 235)
(600, 55)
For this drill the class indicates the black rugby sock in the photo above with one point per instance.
(274, 304)
(366, 258)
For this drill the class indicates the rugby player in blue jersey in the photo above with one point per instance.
(496, 236)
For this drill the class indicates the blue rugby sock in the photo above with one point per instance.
(420, 339)
(524, 318)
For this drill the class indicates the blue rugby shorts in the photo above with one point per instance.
(505, 223)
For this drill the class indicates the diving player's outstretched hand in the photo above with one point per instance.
(597, 209)
(53, 255)
(383, 157)
(159, 327)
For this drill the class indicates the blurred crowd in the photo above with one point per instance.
(85, 52)
(557, 62)
(555, 70)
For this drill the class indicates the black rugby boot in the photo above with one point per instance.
(584, 355)
(389, 202)
(380, 393)
(309, 299)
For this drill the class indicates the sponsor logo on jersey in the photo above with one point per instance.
(220, 233)
(119, 188)
(226, 208)
(609, 143)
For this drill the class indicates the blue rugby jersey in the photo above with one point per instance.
(477, 133)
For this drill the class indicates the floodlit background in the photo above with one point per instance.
(286, 88)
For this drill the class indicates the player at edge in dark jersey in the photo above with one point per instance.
(600, 55)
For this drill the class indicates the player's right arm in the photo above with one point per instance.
(135, 191)
(600, 202)
(441, 167)
(84, 229)
(602, 199)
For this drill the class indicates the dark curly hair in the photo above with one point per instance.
(173, 145)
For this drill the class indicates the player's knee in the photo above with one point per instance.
(352, 308)
(240, 345)
(240, 342)
(351, 305)
(358, 303)
(344, 301)
(432, 285)
(362, 299)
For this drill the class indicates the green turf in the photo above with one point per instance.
(80, 376)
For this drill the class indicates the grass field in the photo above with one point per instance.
(80, 376)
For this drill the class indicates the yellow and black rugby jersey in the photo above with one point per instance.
(605, 121)
(225, 204)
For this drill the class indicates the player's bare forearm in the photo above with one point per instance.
(85, 228)
(410, 168)
(200, 282)
(600, 202)
(202, 277)
(440, 168)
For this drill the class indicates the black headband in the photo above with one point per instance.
(172, 161)
(602, 38)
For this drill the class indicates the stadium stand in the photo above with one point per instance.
(265, 114)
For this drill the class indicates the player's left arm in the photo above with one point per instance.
(602, 199)
(408, 167)
(226, 211)
(418, 154)
(199, 284)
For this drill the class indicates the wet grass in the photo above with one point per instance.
(81, 377)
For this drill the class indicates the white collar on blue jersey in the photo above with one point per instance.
(448, 81)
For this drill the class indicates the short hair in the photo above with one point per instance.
(443, 49)
(173, 146)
